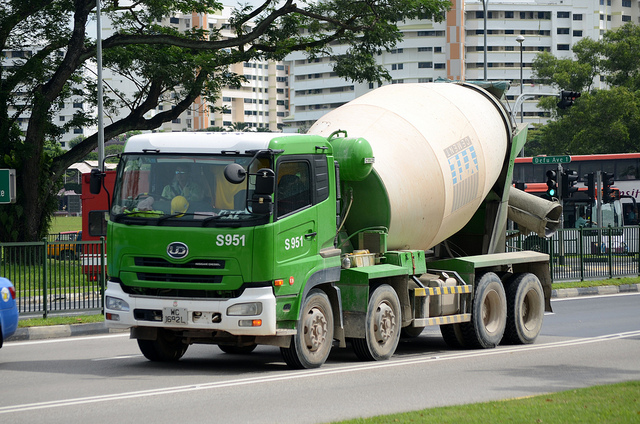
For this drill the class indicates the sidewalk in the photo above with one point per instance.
(59, 331)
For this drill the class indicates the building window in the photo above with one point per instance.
(439, 66)
(563, 15)
(77, 105)
(626, 18)
(563, 47)
(508, 15)
(77, 130)
(425, 49)
(423, 65)
(577, 17)
(563, 30)
(626, 3)
(577, 33)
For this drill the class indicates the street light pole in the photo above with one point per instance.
(520, 39)
(100, 91)
(484, 5)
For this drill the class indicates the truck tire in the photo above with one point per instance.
(166, 348)
(525, 309)
(312, 343)
(488, 314)
(382, 326)
(238, 350)
(452, 335)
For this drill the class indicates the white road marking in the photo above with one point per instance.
(293, 375)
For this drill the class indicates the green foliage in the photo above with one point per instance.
(163, 64)
(600, 121)
(614, 403)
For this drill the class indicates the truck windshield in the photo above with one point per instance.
(183, 190)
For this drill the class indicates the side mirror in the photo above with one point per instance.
(265, 181)
(95, 181)
(262, 204)
(235, 173)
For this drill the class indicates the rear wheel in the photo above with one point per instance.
(382, 326)
(525, 309)
(312, 343)
(452, 335)
(488, 314)
(166, 348)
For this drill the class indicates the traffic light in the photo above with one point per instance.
(552, 184)
(608, 194)
(569, 179)
(591, 185)
(567, 98)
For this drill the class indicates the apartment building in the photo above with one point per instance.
(260, 103)
(455, 49)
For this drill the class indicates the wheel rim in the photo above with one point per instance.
(315, 330)
(490, 308)
(530, 310)
(385, 323)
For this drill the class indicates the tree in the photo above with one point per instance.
(54, 34)
(600, 121)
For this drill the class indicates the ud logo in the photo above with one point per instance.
(177, 250)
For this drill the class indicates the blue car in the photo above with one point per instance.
(8, 309)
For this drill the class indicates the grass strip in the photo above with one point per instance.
(60, 320)
(611, 404)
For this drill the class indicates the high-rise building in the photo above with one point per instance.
(516, 31)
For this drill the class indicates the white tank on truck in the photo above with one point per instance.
(438, 148)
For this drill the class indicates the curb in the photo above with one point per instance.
(60, 331)
(594, 291)
(71, 330)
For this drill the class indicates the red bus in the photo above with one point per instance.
(95, 208)
(624, 166)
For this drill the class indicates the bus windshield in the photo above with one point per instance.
(182, 189)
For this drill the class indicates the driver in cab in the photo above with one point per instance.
(182, 185)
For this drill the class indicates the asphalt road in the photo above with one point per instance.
(104, 379)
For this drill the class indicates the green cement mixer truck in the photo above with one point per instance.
(389, 216)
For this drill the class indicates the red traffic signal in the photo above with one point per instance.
(567, 98)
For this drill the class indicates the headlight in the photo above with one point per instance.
(116, 304)
(245, 309)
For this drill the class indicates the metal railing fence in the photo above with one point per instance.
(65, 276)
(579, 254)
(55, 276)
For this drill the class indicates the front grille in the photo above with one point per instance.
(179, 278)
(195, 264)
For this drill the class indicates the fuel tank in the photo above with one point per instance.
(438, 149)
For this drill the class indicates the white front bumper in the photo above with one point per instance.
(206, 308)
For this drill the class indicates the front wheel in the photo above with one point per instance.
(382, 326)
(166, 348)
(525, 309)
(238, 350)
(488, 314)
(312, 343)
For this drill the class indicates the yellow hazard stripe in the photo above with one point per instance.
(438, 291)
(451, 319)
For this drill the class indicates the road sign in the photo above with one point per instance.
(546, 160)
(7, 185)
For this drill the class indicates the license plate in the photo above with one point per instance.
(175, 315)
